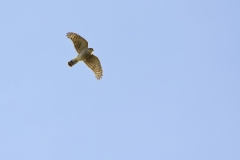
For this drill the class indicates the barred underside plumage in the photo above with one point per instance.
(90, 60)
(79, 42)
(94, 64)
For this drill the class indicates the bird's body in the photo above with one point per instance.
(85, 54)
(81, 56)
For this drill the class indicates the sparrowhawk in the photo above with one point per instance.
(85, 54)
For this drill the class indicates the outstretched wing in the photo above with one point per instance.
(95, 65)
(79, 42)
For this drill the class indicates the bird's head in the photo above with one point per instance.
(91, 50)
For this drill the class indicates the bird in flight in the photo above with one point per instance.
(85, 54)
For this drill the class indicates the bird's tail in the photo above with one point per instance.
(72, 62)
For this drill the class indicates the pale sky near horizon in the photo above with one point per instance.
(170, 88)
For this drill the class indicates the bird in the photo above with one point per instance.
(85, 54)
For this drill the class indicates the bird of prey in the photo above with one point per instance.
(85, 54)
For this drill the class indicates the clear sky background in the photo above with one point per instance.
(170, 88)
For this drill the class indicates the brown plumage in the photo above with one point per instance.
(85, 54)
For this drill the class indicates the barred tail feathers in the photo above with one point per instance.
(72, 62)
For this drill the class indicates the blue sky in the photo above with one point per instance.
(170, 88)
